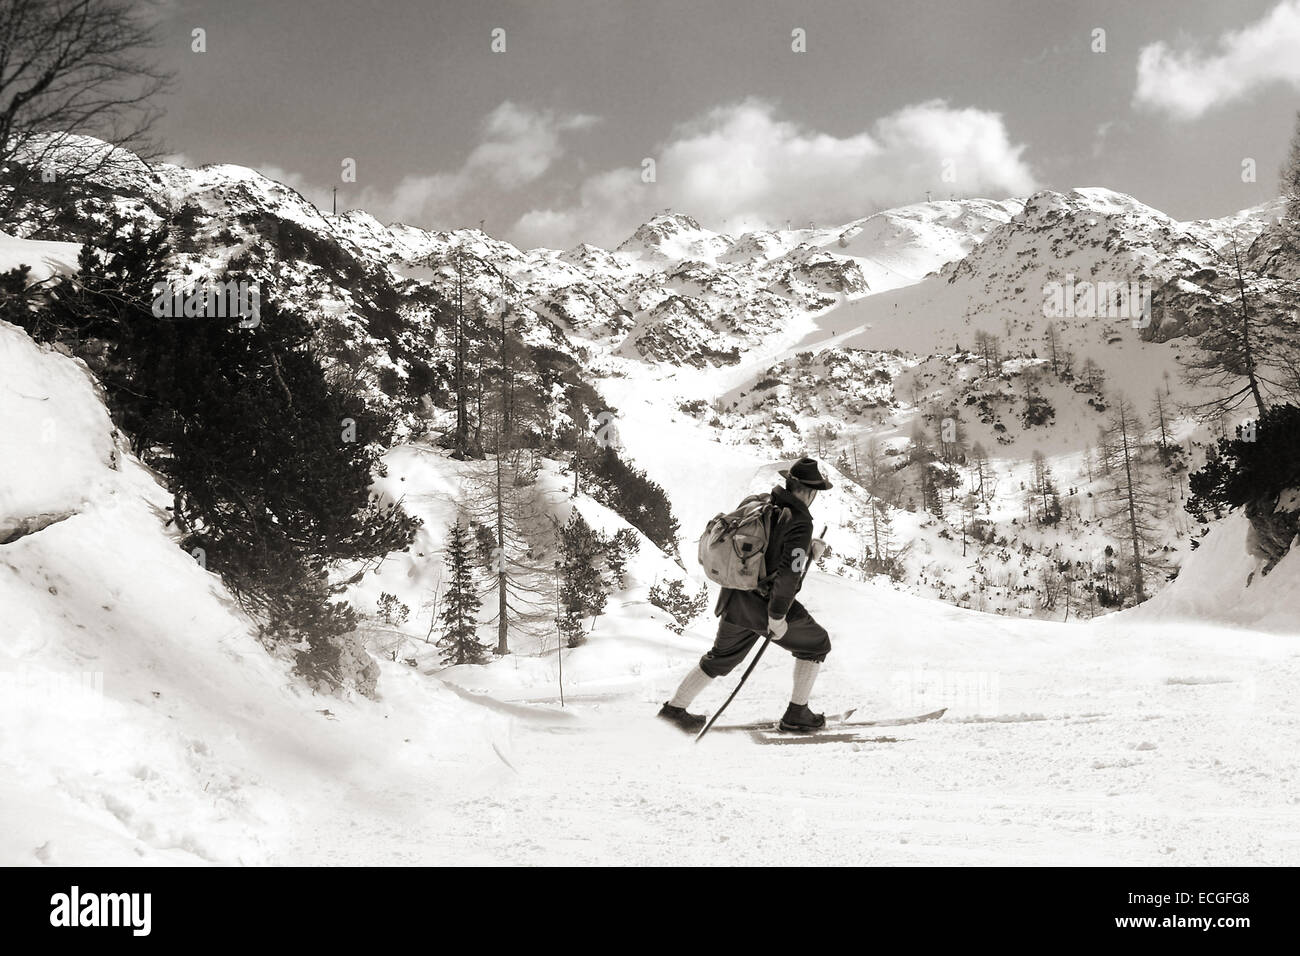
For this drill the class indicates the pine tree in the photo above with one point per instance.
(952, 436)
(1044, 490)
(982, 479)
(882, 539)
(621, 547)
(989, 348)
(584, 590)
(637, 499)
(460, 602)
(1094, 377)
(459, 346)
(683, 606)
(268, 459)
(931, 498)
(1038, 410)
(876, 475)
(918, 443)
(390, 610)
(501, 498)
(969, 508)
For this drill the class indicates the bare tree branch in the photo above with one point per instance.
(72, 69)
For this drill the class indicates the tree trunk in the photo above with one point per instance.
(1138, 584)
(462, 416)
(1247, 348)
(502, 604)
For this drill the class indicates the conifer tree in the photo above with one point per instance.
(677, 601)
(460, 602)
(583, 588)
(982, 478)
(1053, 347)
(882, 538)
(621, 547)
(1247, 356)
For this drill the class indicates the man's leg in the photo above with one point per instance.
(805, 675)
(729, 649)
(690, 687)
(809, 643)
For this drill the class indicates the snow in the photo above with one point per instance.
(901, 246)
(1115, 743)
(1225, 584)
(45, 258)
(1141, 738)
(49, 461)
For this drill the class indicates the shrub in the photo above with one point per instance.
(639, 501)
(1250, 466)
(269, 464)
(676, 601)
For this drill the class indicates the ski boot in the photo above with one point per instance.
(799, 719)
(677, 716)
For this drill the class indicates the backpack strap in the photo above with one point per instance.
(777, 515)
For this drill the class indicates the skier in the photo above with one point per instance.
(748, 615)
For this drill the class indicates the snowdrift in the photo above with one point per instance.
(1221, 581)
(44, 258)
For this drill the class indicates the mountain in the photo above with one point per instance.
(776, 342)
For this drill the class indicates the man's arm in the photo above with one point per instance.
(795, 554)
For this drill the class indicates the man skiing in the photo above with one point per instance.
(771, 609)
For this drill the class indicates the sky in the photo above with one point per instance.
(547, 140)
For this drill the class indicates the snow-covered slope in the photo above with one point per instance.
(44, 258)
(1222, 582)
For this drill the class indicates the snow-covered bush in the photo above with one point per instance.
(683, 607)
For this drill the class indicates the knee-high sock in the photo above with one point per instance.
(805, 675)
(693, 683)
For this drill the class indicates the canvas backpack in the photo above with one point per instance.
(732, 546)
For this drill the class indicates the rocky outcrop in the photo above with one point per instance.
(1274, 522)
(11, 529)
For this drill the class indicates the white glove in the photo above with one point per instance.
(818, 549)
(776, 627)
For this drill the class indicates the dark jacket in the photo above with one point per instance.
(789, 548)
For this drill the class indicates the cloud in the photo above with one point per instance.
(1187, 83)
(517, 146)
(743, 166)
